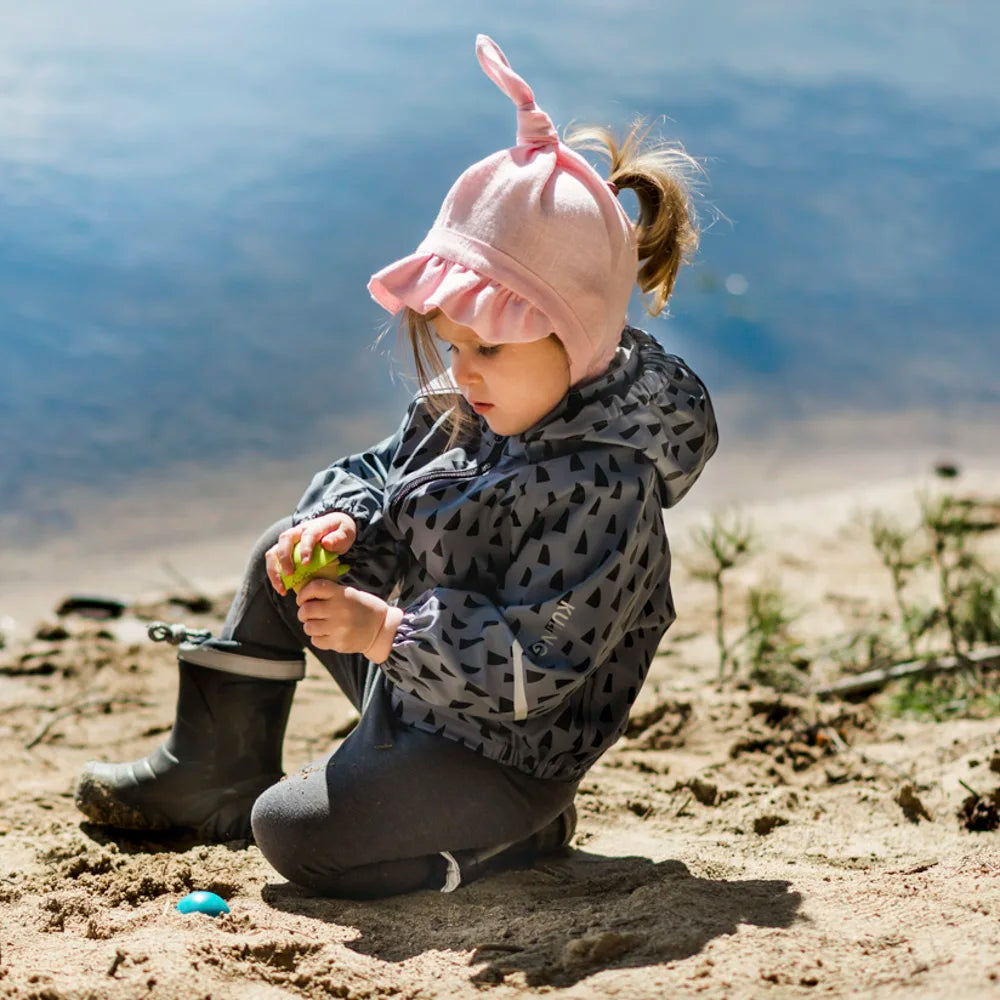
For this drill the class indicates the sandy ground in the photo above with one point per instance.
(736, 843)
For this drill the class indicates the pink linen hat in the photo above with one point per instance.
(529, 241)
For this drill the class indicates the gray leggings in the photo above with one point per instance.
(373, 817)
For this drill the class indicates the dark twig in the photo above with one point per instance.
(872, 680)
(104, 703)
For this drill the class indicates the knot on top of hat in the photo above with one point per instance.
(534, 127)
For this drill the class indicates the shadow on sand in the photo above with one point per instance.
(558, 923)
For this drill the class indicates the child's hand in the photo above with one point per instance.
(336, 532)
(344, 619)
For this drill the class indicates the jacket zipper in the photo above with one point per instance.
(430, 477)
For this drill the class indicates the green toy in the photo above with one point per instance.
(322, 564)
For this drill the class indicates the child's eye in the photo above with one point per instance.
(483, 350)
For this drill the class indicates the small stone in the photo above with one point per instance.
(597, 949)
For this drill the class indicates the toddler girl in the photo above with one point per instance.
(509, 569)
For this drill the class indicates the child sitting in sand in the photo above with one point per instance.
(509, 570)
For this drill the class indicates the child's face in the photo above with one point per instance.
(512, 386)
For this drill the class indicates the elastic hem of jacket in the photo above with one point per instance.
(247, 666)
(358, 513)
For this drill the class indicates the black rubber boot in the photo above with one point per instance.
(223, 751)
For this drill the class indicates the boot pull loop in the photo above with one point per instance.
(176, 634)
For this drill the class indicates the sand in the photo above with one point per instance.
(736, 843)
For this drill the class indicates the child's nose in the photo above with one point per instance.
(464, 371)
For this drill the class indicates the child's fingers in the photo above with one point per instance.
(286, 542)
(321, 591)
(313, 532)
(339, 540)
(306, 545)
(272, 570)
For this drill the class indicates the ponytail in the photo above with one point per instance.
(666, 230)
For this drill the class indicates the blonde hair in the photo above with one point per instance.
(666, 237)
(429, 366)
(661, 175)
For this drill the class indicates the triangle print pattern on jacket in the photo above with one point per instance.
(533, 569)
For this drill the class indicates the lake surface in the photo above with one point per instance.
(193, 196)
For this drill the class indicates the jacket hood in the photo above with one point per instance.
(648, 401)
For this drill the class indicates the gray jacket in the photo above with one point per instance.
(533, 569)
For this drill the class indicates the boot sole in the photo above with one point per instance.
(99, 803)
(229, 820)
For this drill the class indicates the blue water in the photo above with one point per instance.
(193, 197)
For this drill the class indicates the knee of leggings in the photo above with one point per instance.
(290, 843)
(299, 846)
(272, 833)
(255, 572)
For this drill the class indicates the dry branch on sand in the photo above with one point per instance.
(872, 680)
(102, 703)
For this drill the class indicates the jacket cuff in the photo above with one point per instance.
(379, 650)
(358, 515)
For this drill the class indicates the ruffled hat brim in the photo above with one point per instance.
(426, 281)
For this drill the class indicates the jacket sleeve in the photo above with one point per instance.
(354, 485)
(585, 573)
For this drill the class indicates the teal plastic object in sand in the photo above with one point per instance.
(203, 902)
